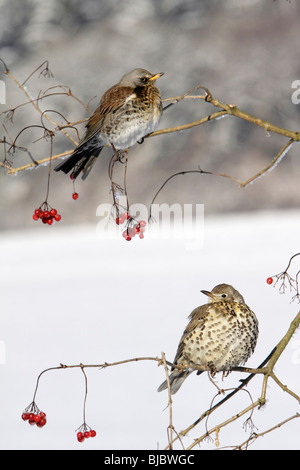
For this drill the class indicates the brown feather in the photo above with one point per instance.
(112, 100)
(197, 320)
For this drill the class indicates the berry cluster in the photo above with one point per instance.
(85, 432)
(133, 228)
(34, 416)
(270, 280)
(47, 214)
(122, 217)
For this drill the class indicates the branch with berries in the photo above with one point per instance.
(121, 207)
(50, 128)
(33, 415)
(285, 280)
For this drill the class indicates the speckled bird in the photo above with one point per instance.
(127, 112)
(220, 335)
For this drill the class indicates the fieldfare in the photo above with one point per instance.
(220, 335)
(127, 112)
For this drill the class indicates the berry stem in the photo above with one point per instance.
(38, 380)
(86, 391)
(49, 166)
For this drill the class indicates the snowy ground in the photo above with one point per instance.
(68, 296)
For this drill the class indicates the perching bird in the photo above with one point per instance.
(220, 335)
(127, 112)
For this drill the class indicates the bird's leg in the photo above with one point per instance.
(225, 373)
(123, 156)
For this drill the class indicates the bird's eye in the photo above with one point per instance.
(224, 295)
(144, 79)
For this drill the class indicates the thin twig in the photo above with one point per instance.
(255, 435)
(35, 105)
(85, 392)
(224, 423)
(170, 403)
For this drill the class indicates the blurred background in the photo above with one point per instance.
(245, 52)
(70, 296)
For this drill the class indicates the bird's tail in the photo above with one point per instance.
(82, 159)
(176, 380)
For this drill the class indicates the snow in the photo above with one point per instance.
(70, 296)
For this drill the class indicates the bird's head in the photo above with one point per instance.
(139, 77)
(223, 292)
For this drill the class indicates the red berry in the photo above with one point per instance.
(141, 235)
(118, 220)
(53, 212)
(126, 235)
(35, 217)
(57, 217)
(80, 437)
(37, 418)
(126, 215)
(42, 414)
(92, 433)
(41, 422)
(46, 214)
(270, 280)
(25, 416)
(87, 434)
(143, 223)
(131, 232)
(122, 218)
(38, 212)
(50, 221)
(75, 196)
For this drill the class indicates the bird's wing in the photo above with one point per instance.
(197, 320)
(111, 101)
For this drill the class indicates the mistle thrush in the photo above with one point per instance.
(220, 335)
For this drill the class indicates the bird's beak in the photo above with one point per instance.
(209, 294)
(156, 76)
